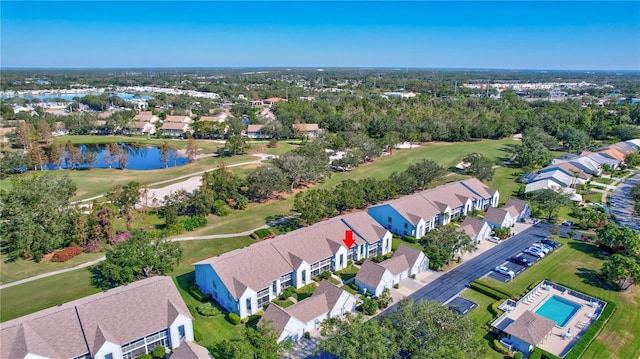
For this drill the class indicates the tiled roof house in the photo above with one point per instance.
(475, 228)
(417, 214)
(244, 280)
(406, 261)
(123, 322)
(326, 302)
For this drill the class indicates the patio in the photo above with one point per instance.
(556, 341)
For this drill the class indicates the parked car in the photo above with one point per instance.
(521, 261)
(534, 251)
(567, 223)
(551, 243)
(504, 270)
(550, 248)
(495, 239)
(541, 247)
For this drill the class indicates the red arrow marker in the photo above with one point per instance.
(348, 239)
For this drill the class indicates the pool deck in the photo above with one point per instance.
(555, 342)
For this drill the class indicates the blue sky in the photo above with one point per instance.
(513, 35)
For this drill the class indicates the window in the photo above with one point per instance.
(341, 260)
(406, 225)
(389, 219)
(108, 356)
(304, 277)
(181, 332)
(274, 287)
(249, 305)
(214, 285)
(285, 281)
(263, 297)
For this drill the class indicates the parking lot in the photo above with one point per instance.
(516, 268)
(621, 204)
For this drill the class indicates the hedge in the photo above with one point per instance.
(410, 239)
(488, 284)
(144, 356)
(487, 291)
(517, 355)
(542, 354)
(208, 309)
(498, 347)
(197, 293)
(583, 343)
(233, 318)
(261, 233)
(494, 308)
(193, 222)
(66, 254)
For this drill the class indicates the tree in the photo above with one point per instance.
(427, 329)
(314, 205)
(24, 133)
(620, 239)
(38, 157)
(44, 130)
(550, 201)
(390, 140)
(192, 149)
(385, 298)
(54, 153)
(353, 337)
(137, 258)
(263, 181)
(533, 151)
(36, 216)
(425, 172)
(125, 197)
(348, 195)
(164, 153)
(632, 160)
(261, 343)
(478, 166)
(236, 144)
(621, 271)
(369, 306)
(442, 244)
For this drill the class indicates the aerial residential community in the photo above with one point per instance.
(315, 180)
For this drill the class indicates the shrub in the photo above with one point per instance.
(197, 293)
(325, 275)
(517, 355)
(498, 346)
(353, 286)
(233, 318)
(208, 309)
(191, 223)
(396, 286)
(244, 320)
(378, 258)
(287, 292)
(349, 263)
(369, 306)
(413, 276)
(263, 232)
(159, 352)
(307, 335)
(66, 254)
(144, 356)
(410, 239)
(536, 354)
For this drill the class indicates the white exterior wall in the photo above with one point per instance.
(386, 242)
(109, 348)
(175, 335)
(296, 281)
(484, 233)
(421, 265)
(495, 199)
(242, 303)
(346, 303)
(336, 258)
(35, 356)
(293, 330)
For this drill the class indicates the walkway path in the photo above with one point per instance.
(177, 239)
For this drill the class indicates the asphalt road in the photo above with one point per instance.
(622, 206)
(452, 282)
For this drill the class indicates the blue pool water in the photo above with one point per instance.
(558, 309)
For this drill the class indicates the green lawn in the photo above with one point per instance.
(481, 316)
(47, 292)
(577, 264)
(396, 242)
(504, 180)
(283, 303)
(22, 268)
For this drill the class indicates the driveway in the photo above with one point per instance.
(451, 283)
(622, 206)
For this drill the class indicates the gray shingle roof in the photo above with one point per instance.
(191, 350)
(472, 226)
(370, 273)
(238, 269)
(119, 315)
(495, 215)
(530, 327)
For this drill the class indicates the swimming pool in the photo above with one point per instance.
(558, 309)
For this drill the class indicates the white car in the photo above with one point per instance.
(541, 247)
(534, 252)
(504, 270)
(494, 239)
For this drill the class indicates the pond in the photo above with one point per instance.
(139, 158)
